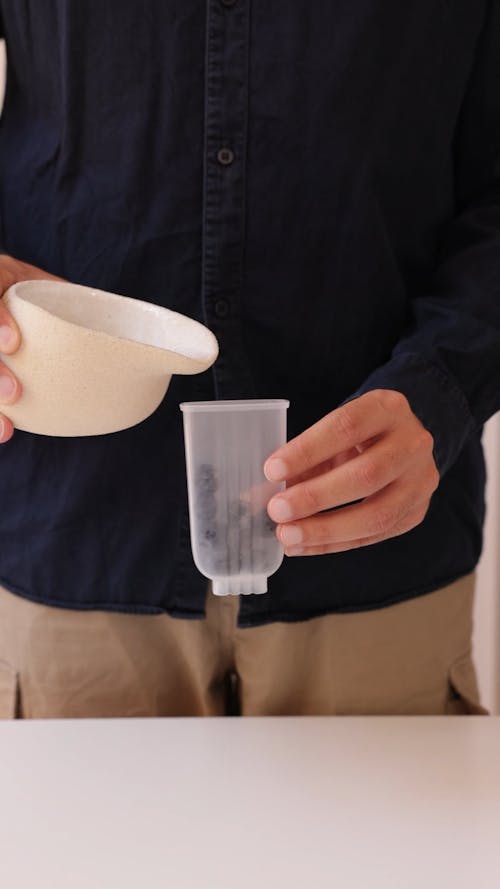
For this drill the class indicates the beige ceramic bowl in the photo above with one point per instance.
(92, 362)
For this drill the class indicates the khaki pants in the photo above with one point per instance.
(410, 658)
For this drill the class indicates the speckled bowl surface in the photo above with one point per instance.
(92, 362)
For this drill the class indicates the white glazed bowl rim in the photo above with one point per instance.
(190, 346)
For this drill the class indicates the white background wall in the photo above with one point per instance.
(487, 630)
(487, 617)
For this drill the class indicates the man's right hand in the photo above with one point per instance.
(12, 271)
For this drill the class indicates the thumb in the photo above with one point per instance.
(12, 271)
(10, 337)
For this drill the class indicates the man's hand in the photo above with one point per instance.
(11, 271)
(372, 449)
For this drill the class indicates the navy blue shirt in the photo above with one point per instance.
(319, 183)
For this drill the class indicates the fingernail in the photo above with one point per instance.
(290, 535)
(7, 387)
(294, 551)
(7, 337)
(276, 470)
(2, 429)
(280, 510)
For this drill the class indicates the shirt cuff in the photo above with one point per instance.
(433, 396)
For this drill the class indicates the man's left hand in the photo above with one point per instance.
(373, 450)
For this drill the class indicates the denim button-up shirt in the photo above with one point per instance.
(319, 183)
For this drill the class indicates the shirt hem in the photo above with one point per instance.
(128, 608)
(246, 621)
(280, 617)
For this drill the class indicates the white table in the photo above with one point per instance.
(219, 803)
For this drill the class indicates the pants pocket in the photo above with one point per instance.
(463, 692)
(9, 691)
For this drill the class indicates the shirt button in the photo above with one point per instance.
(221, 308)
(225, 156)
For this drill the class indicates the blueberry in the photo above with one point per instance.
(205, 510)
(205, 470)
(206, 483)
(268, 524)
(237, 511)
(205, 479)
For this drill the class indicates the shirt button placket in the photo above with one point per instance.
(225, 173)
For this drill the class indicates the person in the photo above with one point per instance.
(321, 187)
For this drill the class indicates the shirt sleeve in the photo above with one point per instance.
(448, 362)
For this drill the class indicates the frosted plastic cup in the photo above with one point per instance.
(233, 539)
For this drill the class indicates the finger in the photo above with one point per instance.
(358, 478)
(412, 520)
(13, 270)
(10, 387)
(374, 516)
(342, 429)
(323, 468)
(10, 336)
(6, 429)
(256, 497)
